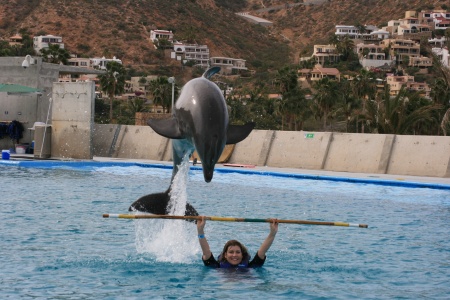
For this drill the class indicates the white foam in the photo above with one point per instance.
(170, 240)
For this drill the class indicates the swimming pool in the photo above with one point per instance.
(55, 244)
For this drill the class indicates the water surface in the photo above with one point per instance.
(54, 242)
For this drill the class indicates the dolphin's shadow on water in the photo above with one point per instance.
(199, 123)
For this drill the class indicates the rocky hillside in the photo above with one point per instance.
(121, 27)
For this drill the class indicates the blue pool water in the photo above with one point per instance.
(54, 243)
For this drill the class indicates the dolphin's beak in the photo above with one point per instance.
(209, 155)
(208, 173)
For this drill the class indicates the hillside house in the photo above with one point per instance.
(373, 56)
(161, 34)
(137, 84)
(347, 30)
(421, 87)
(421, 62)
(410, 27)
(438, 41)
(399, 48)
(319, 72)
(100, 63)
(228, 65)
(199, 54)
(43, 41)
(15, 40)
(375, 36)
(437, 19)
(397, 82)
(325, 53)
(80, 62)
(443, 55)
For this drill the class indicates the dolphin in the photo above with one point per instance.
(199, 122)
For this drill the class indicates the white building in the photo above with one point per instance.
(349, 30)
(80, 62)
(228, 65)
(443, 55)
(100, 63)
(43, 41)
(373, 56)
(161, 34)
(199, 54)
(438, 41)
(440, 19)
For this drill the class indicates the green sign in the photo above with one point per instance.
(309, 135)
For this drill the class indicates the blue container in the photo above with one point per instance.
(5, 154)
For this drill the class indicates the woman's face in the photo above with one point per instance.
(234, 255)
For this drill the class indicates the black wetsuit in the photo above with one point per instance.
(256, 262)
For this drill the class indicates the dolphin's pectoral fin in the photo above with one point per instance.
(237, 133)
(157, 204)
(210, 72)
(166, 127)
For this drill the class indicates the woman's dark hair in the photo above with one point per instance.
(230, 243)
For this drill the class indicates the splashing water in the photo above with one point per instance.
(170, 240)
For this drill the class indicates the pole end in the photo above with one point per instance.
(105, 215)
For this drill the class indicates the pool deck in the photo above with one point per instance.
(319, 173)
(312, 174)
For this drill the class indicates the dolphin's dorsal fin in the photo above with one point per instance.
(237, 133)
(166, 127)
(210, 72)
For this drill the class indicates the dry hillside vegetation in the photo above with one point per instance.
(121, 28)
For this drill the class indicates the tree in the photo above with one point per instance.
(440, 93)
(292, 105)
(55, 54)
(347, 105)
(364, 88)
(161, 90)
(325, 97)
(345, 47)
(402, 114)
(113, 82)
(129, 110)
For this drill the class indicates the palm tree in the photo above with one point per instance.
(325, 97)
(161, 90)
(113, 82)
(401, 114)
(364, 88)
(440, 93)
(345, 47)
(347, 105)
(55, 54)
(292, 103)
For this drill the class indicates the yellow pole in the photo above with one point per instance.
(231, 219)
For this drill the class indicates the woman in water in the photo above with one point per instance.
(234, 254)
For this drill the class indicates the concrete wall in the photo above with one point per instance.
(298, 149)
(128, 141)
(25, 108)
(30, 108)
(423, 155)
(361, 153)
(343, 152)
(72, 120)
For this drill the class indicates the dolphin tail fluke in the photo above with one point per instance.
(210, 72)
(237, 133)
(157, 204)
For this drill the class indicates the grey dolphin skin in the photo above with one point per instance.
(199, 122)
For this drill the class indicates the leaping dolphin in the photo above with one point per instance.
(199, 122)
